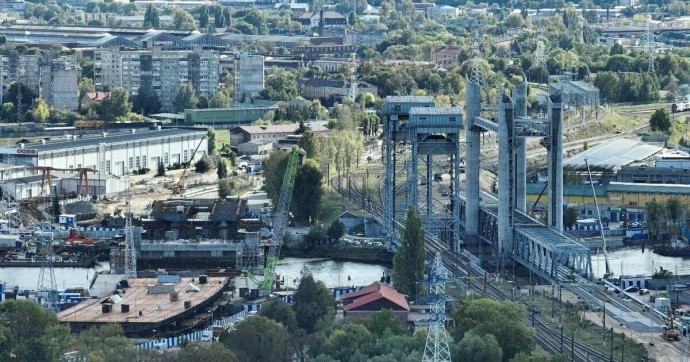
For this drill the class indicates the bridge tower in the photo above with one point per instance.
(436, 348)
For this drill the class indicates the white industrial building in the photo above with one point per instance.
(98, 185)
(114, 154)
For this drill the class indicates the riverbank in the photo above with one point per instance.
(354, 254)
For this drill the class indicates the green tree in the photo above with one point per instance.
(30, 332)
(226, 187)
(674, 210)
(40, 111)
(276, 309)
(100, 342)
(660, 121)
(21, 97)
(183, 20)
(475, 348)
(161, 169)
(616, 49)
(655, 217)
(307, 192)
(315, 236)
(146, 103)
(85, 86)
(186, 97)
(274, 170)
(199, 351)
(204, 164)
(408, 262)
(312, 302)
(151, 18)
(203, 17)
(222, 169)
(281, 86)
(380, 322)
(503, 320)
(336, 230)
(56, 208)
(570, 217)
(257, 339)
(352, 342)
(218, 20)
(227, 16)
(211, 135)
(608, 85)
(309, 143)
(116, 107)
(220, 100)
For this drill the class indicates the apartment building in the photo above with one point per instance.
(249, 75)
(157, 70)
(51, 77)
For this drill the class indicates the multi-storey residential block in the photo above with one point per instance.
(59, 80)
(158, 71)
(249, 75)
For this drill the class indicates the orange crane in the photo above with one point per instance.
(47, 176)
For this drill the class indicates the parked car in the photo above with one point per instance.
(632, 289)
(644, 291)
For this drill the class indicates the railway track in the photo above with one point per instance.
(463, 266)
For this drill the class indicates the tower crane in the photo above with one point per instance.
(280, 220)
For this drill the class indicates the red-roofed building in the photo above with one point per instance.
(93, 97)
(374, 298)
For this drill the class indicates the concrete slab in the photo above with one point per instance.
(105, 284)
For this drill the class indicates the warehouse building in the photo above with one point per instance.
(116, 154)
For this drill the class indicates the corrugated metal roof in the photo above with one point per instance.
(409, 99)
(435, 110)
(649, 188)
(613, 154)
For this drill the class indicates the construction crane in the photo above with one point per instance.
(609, 272)
(280, 220)
(177, 188)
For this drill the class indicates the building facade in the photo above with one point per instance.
(116, 154)
(59, 81)
(158, 71)
(249, 75)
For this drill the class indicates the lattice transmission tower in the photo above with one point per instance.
(649, 42)
(46, 288)
(130, 247)
(477, 75)
(353, 91)
(436, 348)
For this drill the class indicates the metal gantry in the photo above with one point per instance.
(436, 348)
(9, 208)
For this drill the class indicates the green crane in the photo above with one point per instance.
(280, 220)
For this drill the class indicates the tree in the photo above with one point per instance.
(312, 302)
(655, 216)
(161, 169)
(108, 340)
(115, 107)
(203, 17)
(608, 85)
(85, 86)
(151, 18)
(475, 348)
(21, 97)
(307, 192)
(222, 169)
(204, 164)
(40, 111)
(315, 236)
(274, 170)
(30, 332)
(347, 342)
(570, 217)
(281, 312)
(198, 351)
(220, 100)
(281, 86)
(408, 262)
(226, 187)
(218, 20)
(56, 208)
(503, 320)
(211, 134)
(309, 143)
(186, 98)
(257, 339)
(183, 20)
(380, 322)
(674, 210)
(336, 230)
(146, 103)
(660, 121)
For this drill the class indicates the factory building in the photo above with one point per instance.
(116, 154)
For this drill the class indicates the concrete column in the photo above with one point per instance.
(472, 148)
(505, 179)
(413, 179)
(520, 174)
(388, 199)
(554, 161)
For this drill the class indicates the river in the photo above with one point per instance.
(66, 278)
(635, 262)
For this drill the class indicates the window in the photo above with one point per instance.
(130, 163)
(451, 119)
(107, 166)
(143, 161)
(137, 162)
(184, 159)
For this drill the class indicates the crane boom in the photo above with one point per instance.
(280, 220)
(601, 226)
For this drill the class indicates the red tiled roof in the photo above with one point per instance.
(98, 96)
(375, 292)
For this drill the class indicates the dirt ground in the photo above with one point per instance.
(660, 351)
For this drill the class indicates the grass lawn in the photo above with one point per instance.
(332, 205)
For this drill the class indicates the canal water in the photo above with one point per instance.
(332, 273)
(635, 262)
(66, 278)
